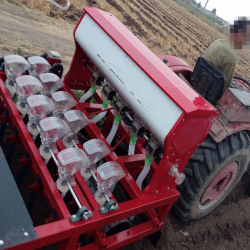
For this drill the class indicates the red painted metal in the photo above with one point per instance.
(233, 115)
(219, 184)
(35, 187)
(52, 61)
(186, 98)
(157, 198)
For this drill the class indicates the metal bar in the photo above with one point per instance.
(38, 164)
(128, 236)
(53, 156)
(92, 173)
(74, 195)
(12, 146)
(31, 202)
(69, 244)
(86, 191)
(90, 107)
(68, 184)
(74, 143)
(62, 229)
(22, 169)
(3, 122)
(101, 111)
(133, 161)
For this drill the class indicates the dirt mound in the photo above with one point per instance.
(72, 14)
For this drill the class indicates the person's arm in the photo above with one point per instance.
(228, 69)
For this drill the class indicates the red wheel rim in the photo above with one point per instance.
(217, 187)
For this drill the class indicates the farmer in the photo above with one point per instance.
(222, 53)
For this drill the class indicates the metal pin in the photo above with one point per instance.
(74, 143)
(74, 195)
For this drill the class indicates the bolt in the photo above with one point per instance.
(211, 120)
(169, 147)
(183, 120)
(173, 133)
(1, 242)
(173, 154)
(165, 60)
(26, 234)
(167, 188)
(112, 207)
(73, 216)
(156, 191)
(188, 152)
(85, 215)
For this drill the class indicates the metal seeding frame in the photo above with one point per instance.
(156, 200)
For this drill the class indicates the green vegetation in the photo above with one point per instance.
(78, 93)
(13, 2)
(19, 51)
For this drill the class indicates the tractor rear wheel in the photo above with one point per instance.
(211, 174)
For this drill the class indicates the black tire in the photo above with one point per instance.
(204, 165)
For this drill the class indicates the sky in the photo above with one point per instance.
(228, 9)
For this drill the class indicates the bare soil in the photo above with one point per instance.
(31, 33)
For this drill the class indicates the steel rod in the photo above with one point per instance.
(74, 143)
(107, 198)
(74, 195)
(92, 173)
(68, 184)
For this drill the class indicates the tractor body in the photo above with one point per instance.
(233, 106)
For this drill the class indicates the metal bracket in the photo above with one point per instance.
(82, 213)
(110, 206)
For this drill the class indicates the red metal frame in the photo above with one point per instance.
(160, 194)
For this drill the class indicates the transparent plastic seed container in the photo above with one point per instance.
(15, 66)
(50, 82)
(26, 86)
(54, 54)
(76, 120)
(63, 102)
(52, 129)
(86, 170)
(39, 65)
(38, 107)
(70, 161)
(45, 153)
(108, 174)
(95, 149)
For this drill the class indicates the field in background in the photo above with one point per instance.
(205, 17)
(163, 25)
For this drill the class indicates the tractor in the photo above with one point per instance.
(146, 134)
(219, 162)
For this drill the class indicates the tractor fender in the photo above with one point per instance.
(220, 130)
(177, 65)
